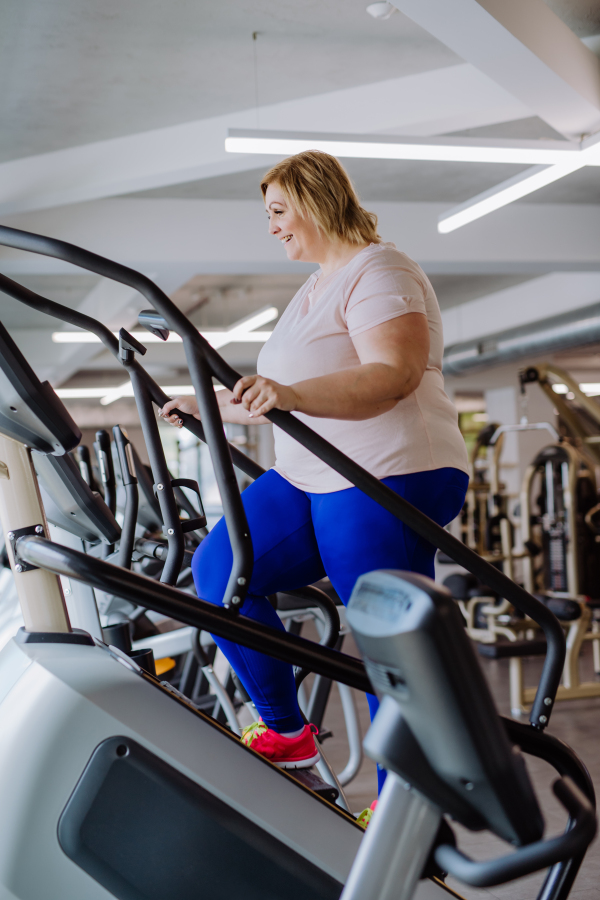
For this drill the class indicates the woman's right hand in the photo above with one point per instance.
(182, 404)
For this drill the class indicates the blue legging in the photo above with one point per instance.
(300, 537)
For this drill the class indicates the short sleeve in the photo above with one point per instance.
(384, 289)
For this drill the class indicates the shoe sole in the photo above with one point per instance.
(299, 763)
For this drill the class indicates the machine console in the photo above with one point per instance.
(416, 651)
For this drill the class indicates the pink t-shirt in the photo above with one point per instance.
(314, 337)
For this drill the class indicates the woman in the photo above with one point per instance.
(357, 355)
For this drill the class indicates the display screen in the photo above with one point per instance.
(377, 599)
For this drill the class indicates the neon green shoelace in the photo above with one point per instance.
(250, 732)
(364, 817)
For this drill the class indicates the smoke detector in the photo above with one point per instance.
(381, 10)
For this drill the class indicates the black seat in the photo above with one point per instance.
(510, 649)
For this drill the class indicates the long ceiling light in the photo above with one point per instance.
(551, 160)
(513, 189)
(519, 186)
(241, 331)
(213, 337)
(243, 328)
(281, 143)
(108, 395)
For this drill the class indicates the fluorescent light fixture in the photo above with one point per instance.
(86, 337)
(126, 390)
(83, 393)
(552, 160)
(241, 331)
(519, 186)
(108, 395)
(590, 388)
(281, 143)
(215, 338)
(513, 189)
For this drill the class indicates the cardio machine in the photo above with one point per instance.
(115, 786)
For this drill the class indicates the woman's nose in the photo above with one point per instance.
(273, 226)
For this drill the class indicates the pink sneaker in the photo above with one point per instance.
(287, 753)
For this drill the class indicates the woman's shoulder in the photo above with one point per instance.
(386, 253)
(385, 260)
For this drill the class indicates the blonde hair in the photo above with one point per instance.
(317, 186)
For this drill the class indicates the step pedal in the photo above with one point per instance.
(315, 783)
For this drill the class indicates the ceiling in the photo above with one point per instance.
(76, 72)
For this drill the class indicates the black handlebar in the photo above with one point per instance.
(204, 362)
(533, 857)
(80, 320)
(179, 605)
(561, 877)
(132, 497)
(159, 550)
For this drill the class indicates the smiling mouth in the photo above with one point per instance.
(287, 238)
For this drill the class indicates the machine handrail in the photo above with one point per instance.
(539, 855)
(526, 426)
(179, 605)
(220, 450)
(564, 760)
(204, 362)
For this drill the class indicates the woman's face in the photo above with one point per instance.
(300, 237)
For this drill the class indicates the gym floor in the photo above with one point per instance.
(576, 722)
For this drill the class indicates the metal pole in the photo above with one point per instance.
(39, 591)
(393, 852)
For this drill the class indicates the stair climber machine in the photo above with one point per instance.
(115, 785)
(79, 517)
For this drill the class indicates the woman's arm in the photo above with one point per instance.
(393, 358)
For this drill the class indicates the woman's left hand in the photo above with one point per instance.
(259, 395)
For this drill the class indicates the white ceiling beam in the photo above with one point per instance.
(178, 239)
(524, 47)
(446, 99)
(534, 301)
